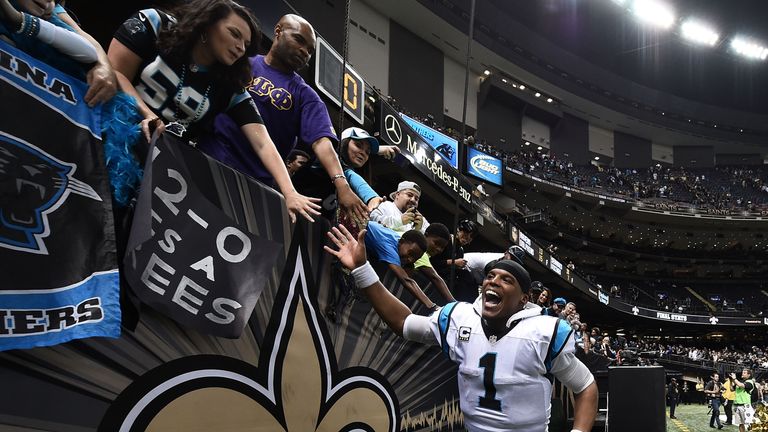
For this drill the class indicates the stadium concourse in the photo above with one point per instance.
(293, 215)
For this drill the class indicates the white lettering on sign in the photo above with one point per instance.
(480, 162)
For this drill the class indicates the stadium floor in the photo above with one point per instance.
(693, 418)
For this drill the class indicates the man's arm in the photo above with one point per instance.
(411, 285)
(351, 254)
(264, 148)
(438, 282)
(348, 201)
(736, 381)
(585, 409)
(102, 80)
(386, 215)
(574, 374)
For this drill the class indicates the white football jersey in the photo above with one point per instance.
(503, 384)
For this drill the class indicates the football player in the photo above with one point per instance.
(504, 350)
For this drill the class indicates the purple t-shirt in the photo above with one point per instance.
(292, 113)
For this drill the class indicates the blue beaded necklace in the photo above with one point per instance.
(186, 122)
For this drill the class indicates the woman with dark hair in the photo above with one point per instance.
(185, 72)
(355, 148)
(545, 298)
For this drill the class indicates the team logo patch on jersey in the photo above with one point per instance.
(464, 333)
(33, 184)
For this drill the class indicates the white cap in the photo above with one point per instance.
(403, 185)
(357, 133)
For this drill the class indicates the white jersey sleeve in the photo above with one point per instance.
(418, 328)
(564, 365)
(68, 42)
(478, 260)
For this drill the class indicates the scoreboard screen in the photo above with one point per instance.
(328, 64)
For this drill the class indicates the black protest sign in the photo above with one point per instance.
(186, 257)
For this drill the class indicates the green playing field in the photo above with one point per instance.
(694, 418)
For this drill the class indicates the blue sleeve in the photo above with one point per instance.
(557, 344)
(359, 186)
(443, 322)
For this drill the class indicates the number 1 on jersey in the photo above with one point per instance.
(489, 401)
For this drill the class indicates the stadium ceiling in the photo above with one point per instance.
(610, 35)
(442, 23)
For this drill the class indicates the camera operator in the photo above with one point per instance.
(712, 390)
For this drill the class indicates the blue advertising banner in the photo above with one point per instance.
(57, 242)
(484, 166)
(444, 145)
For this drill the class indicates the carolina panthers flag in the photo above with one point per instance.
(58, 267)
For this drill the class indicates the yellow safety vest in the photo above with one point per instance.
(728, 392)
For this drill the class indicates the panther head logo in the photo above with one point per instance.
(33, 184)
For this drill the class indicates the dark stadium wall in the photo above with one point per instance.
(694, 156)
(54, 407)
(499, 124)
(415, 72)
(630, 151)
(738, 159)
(102, 24)
(326, 16)
(571, 136)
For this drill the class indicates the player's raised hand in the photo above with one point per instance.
(351, 251)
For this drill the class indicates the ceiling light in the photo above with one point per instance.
(549, 100)
(537, 94)
(504, 80)
(698, 32)
(527, 143)
(597, 157)
(486, 72)
(538, 148)
(749, 49)
(654, 13)
(522, 87)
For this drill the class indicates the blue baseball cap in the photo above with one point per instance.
(561, 301)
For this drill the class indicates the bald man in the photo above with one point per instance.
(293, 113)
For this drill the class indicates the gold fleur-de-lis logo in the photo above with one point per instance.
(297, 386)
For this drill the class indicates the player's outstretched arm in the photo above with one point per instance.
(585, 408)
(351, 254)
(577, 377)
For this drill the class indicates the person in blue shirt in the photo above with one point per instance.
(397, 252)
